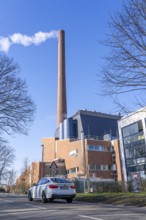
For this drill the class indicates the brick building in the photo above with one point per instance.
(38, 170)
(81, 149)
(86, 149)
(94, 159)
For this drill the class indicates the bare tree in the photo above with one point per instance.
(16, 107)
(26, 164)
(125, 65)
(24, 177)
(7, 156)
(11, 178)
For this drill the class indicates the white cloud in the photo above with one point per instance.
(43, 36)
(20, 39)
(17, 38)
(4, 44)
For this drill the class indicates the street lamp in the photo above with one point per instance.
(83, 157)
(42, 160)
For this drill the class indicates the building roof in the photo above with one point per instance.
(96, 124)
(97, 114)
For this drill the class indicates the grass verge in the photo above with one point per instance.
(129, 199)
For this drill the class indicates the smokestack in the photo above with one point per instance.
(61, 103)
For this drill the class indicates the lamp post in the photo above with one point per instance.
(83, 157)
(42, 160)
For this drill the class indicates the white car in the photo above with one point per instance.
(50, 188)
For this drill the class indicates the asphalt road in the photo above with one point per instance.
(18, 207)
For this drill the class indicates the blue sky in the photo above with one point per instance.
(85, 23)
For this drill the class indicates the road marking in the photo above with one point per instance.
(123, 214)
(19, 210)
(85, 216)
(36, 206)
(5, 200)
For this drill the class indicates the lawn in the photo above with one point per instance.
(129, 199)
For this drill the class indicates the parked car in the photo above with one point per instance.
(50, 188)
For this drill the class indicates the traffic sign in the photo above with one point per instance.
(53, 168)
(53, 165)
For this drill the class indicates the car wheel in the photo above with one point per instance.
(30, 196)
(44, 199)
(69, 200)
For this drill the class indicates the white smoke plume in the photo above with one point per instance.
(17, 38)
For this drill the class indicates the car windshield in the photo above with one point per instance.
(59, 180)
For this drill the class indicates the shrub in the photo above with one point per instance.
(2, 190)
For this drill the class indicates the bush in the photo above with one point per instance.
(108, 187)
(2, 190)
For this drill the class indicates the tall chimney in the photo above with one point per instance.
(61, 103)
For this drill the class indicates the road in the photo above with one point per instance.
(19, 208)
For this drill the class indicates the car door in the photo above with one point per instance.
(39, 188)
(36, 189)
(43, 186)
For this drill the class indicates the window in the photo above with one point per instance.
(59, 180)
(134, 138)
(112, 148)
(141, 160)
(91, 147)
(135, 151)
(131, 162)
(73, 170)
(130, 129)
(104, 167)
(96, 148)
(43, 181)
(92, 167)
(73, 153)
(112, 167)
(98, 167)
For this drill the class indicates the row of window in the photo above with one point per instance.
(141, 173)
(134, 138)
(135, 162)
(135, 144)
(99, 167)
(96, 148)
(132, 129)
(136, 168)
(90, 148)
(135, 149)
(134, 152)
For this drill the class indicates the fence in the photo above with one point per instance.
(84, 185)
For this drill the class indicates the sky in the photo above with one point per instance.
(28, 34)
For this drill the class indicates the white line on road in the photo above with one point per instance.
(5, 200)
(85, 216)
(19, 210)
(36, 206)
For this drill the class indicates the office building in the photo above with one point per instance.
(132, 136)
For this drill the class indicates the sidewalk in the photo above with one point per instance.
(12, 195)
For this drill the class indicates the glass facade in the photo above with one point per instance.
(135, 148)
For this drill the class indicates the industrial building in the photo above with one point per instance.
(85, 144)
(88, 143)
